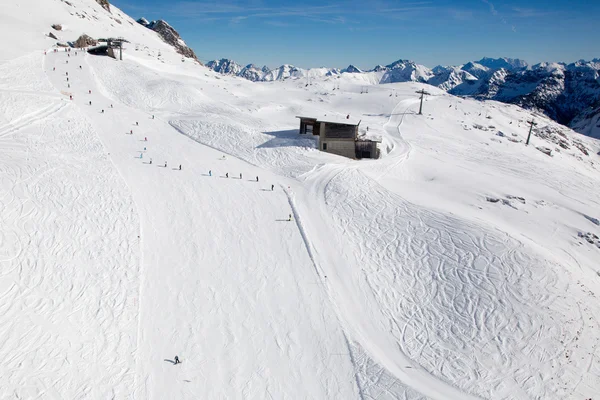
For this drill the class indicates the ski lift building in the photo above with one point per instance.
(339, 136)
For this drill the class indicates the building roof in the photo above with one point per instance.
(335, 119)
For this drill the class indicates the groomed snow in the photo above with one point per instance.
(451, 268)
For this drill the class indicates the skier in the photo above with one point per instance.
(145, 139)
(67, 61)
(227, 175)
(177, 360)
(141, 154)
(180, 167)
(165, 164)
(54, 69)
(150, 161)
(102, 111)
(70, 97)
(209, 173)
(136, 124)
(272, 187)
(131, 132)
(67, 73)
(257, 179)
(152, 116)
(290, 217)
(67, 79)
(89, 91)
(69, 85)
(240, 175)
(111, 106)
(90, 102)
(80, 67)
(144, 149)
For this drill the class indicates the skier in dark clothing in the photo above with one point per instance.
(257, 179)
(136, 124)
(227, 175)
(150, 161)
(165, 164)
(240, 175)
(180, 167)
(209, 173)
(102, 111)
(177, 360)
(290, 217)
(90, 102)
(272, 187)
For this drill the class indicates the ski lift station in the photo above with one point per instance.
(340, 136)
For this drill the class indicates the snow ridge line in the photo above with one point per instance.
(305, 239)
(309, 249)
(353, 361)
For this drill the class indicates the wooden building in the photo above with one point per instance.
(339, 136)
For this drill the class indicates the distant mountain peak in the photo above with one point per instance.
(352, 70)
(510, 64)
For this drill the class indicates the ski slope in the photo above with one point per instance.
(395, 278)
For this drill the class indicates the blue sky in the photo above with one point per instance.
(311, 33)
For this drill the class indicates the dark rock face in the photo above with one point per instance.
(105, 4)
(170, 36)
(57, 27)
(85, 41)
(52, 36)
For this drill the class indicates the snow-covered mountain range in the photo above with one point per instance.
(567, 93)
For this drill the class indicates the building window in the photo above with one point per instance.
(324, 146)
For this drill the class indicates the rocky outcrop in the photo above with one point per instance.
(52, 35)
(170, 36)
(57, 27)
(85, 41)
(105, 4)
(143, 21)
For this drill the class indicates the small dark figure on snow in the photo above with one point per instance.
(67, 61)
(227, 175)
(111, 106)
(131, 132)
(209, 173)
(69, 85)
(145, 139)
(153, 117)
(180, 167)
(54, 69)
(67, 79)
(257, 179)
(290, 217)
(71, 97)
(177, 360)
(165, 164)
(240, 175)
(67, 73)
(80, 67)
(90, 102)
(272, 187)
(89, 91)
(102, 111)
(137, 124)
(150, 161)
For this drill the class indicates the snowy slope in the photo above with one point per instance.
(460, 265)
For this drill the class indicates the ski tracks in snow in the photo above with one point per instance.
(68, 281)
